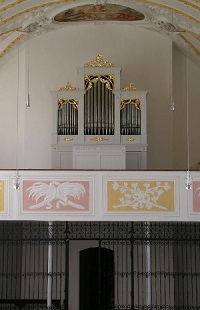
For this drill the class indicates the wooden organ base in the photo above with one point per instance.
(103, 157)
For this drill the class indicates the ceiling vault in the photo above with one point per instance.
(21, 20)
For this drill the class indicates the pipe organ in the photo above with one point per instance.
(98, 125)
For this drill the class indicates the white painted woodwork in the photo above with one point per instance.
(99, 157)
(183, 199)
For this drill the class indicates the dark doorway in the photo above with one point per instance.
(96, 279)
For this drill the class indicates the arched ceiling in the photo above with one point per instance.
(177, 19)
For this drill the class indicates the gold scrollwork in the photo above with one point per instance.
(68, 139)
(130, 87)
(99, 62)
(92, 79)
(136, 103)
(61, 103)
(130, 139)
(99, 139)
(68, 87)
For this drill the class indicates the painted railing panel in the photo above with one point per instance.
(50, 195)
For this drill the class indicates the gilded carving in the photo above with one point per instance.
(99, 139)
(136, 103)
(68, 87)
(130, 87)
(68, 139)
(108, 80)
(130, 139)
(99, 62)
(61, 103)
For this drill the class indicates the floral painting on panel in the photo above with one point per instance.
(141, 196)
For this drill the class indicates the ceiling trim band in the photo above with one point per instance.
(163, 6)
(196, 50)
(11, 45)
(11, 5)
(9, 31)
(190, 4)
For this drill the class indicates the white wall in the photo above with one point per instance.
(145, 59)
(186, 76)
(12, 93)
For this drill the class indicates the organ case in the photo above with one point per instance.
(101, 119)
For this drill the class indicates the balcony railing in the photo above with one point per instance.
(72, 195)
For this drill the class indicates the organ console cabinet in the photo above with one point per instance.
(98, 125)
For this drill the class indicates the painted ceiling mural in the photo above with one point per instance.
(177, 19)
(109, 12)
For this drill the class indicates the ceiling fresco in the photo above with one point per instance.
(179, 20)
(108, 12)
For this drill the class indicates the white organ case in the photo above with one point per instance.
(97, 125)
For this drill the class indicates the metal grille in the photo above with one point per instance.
(24, 270)
(156, 265)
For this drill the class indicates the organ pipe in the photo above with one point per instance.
(68, 118)
(99, 111)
